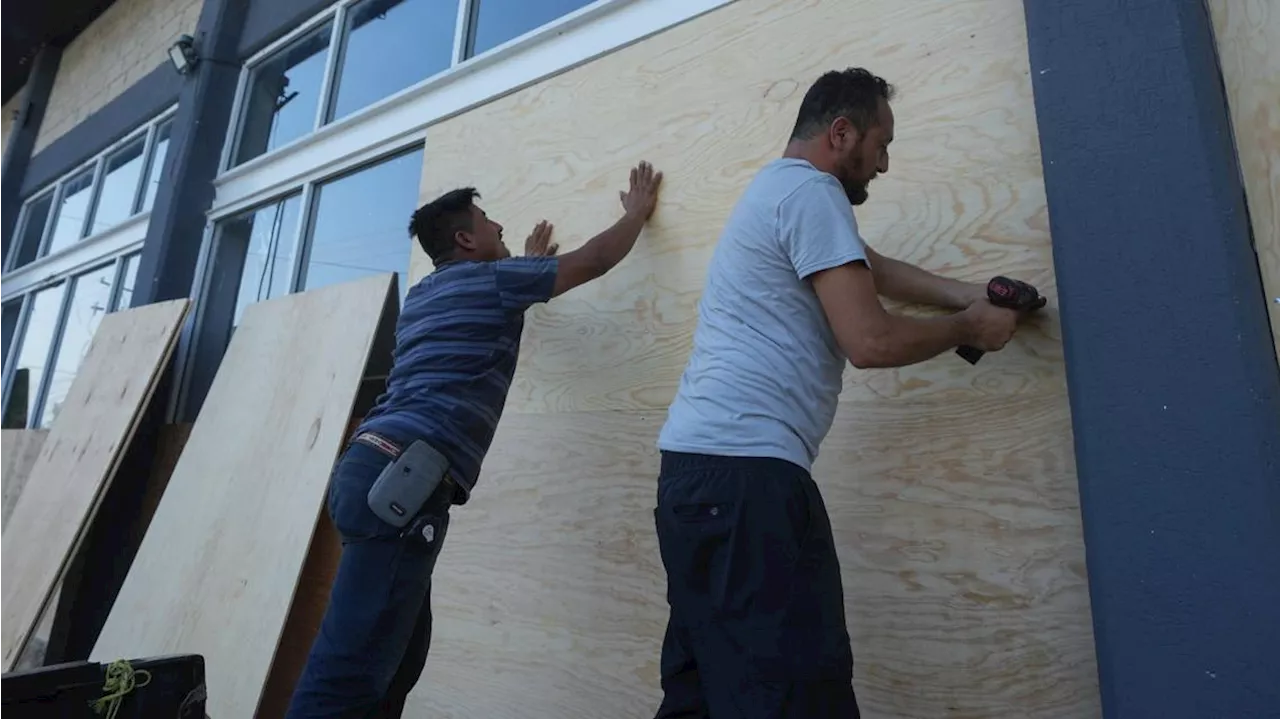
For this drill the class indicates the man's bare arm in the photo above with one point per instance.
(905, 282)
(599, 255)
(870, 336)
(602, 252)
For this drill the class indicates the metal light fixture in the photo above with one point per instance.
(183, 54)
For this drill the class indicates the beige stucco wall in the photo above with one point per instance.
(117, 50)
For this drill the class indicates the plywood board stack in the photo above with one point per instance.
(951, 487)
(77, 461)
(217, 571)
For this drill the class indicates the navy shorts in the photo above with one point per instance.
(757, 624)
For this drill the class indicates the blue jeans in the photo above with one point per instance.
(372, 644)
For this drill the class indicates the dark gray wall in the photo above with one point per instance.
(1174, 388)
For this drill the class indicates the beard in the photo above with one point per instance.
(856, 192)
(855, 188)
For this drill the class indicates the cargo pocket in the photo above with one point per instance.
(695, 540)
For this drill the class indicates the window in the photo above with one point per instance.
(117, 197)
(95, 198)
(362, 51)
(33, 352)
(283, 94)
(9, 315)
(360, 224)
(90, 299)
(47, 333)
(160, 150)
(124, 290)
(31, 224)
(73, 210)
(494, 22)
(265, 240)
(418, 33)
(333, 230)
(74, 258)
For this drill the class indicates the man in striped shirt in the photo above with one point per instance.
(457, 342)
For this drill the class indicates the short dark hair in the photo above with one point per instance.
(853, 93)
(436, 223)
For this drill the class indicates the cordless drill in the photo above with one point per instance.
(1012, 294)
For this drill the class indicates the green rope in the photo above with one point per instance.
(121, 679)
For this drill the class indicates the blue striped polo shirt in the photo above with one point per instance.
(457, 342)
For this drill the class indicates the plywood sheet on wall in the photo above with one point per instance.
(78, 459)
(951, 487)
(219, 566)
(1248, 37)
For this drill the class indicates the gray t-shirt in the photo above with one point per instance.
(765, 373)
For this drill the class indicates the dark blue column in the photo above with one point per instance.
(168, 262)
(1174, 388)
(22, 136)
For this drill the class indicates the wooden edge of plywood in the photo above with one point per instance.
(13, 652)
(310, 597)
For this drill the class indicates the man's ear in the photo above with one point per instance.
(842, 133)
(463, 239)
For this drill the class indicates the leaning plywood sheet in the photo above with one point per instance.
(116, 380)
(218, 568)
(21, 447)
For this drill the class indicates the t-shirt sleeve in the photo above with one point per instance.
(524, 281)
(817, 228)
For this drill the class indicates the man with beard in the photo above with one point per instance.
(757, 623)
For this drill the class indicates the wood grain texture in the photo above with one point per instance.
(951, 487)
(20, 448)
(77, 460)
(217, 571)
(18, 453)
(305, 615)
(1248, 38)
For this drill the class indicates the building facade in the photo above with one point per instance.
(1124, 159)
